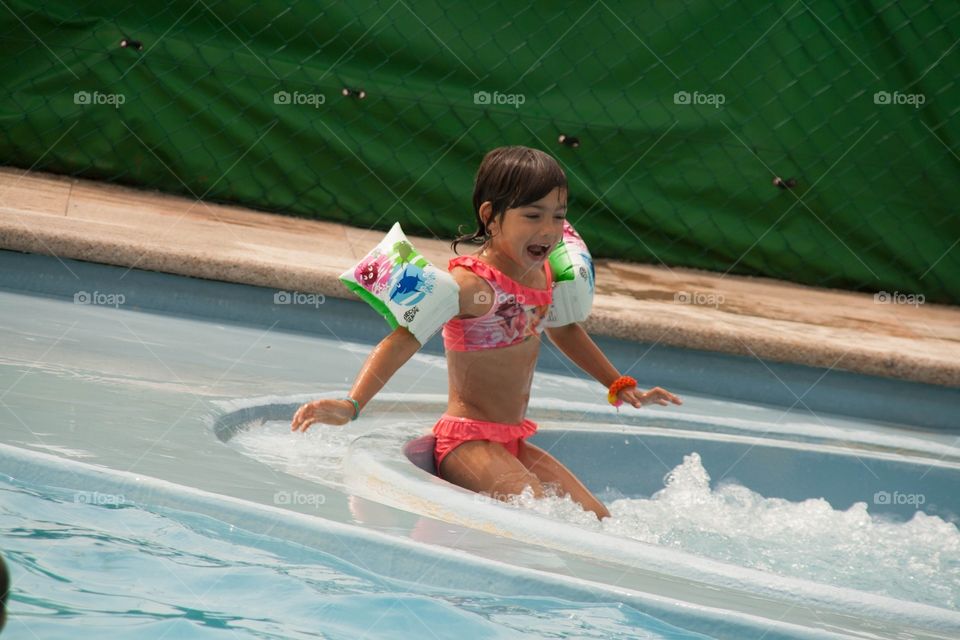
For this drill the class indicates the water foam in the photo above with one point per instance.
(917, 560)
(316, 455)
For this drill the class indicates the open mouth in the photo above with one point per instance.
(537, 251)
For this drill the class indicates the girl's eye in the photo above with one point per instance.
(532, 216)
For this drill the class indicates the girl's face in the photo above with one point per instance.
(526, 235)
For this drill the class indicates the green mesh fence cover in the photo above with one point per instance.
(676, 117)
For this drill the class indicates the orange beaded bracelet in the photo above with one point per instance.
(621, 383)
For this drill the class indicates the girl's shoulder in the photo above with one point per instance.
(476, 295)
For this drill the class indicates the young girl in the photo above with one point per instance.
(520, 202)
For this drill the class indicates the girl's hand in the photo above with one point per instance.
(327, 411)
(637, 398)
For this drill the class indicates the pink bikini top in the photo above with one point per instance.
(515, 315)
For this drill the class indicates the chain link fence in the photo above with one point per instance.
(813, 141)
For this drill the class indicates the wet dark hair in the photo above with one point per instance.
(511, 177)
(4, 592)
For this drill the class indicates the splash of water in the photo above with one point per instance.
(917, 560)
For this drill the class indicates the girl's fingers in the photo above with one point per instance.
(663, 393)
(657, 395)
(299, 418)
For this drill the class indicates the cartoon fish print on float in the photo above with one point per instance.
(374, 273)
(409, 283)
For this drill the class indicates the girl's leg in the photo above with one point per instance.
(548, 469)
(481, 465)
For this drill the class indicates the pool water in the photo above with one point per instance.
(254, 531)
(917, 559)
(117, 570)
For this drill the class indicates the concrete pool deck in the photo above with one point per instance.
(755, 317)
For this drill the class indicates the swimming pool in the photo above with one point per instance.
(152, 445)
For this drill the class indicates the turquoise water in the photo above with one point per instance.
(125, 400)
(94, 566)
(829, 539)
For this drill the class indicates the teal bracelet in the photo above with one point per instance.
(356, 408)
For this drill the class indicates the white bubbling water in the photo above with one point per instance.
(918, 560)
(316, 455)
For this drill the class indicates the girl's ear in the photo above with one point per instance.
(486, 215)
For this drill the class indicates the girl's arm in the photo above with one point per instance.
(577, 345)
(388, 356)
